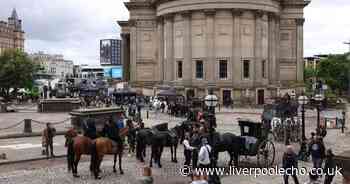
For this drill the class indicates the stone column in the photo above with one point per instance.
(277, 41)
(257, 70)
(209, 64)
(272, 50)
(187, 52)
(160, 32)
(169, 46)
(126, 56)
(300, 47)
(236, 48)
(133, 51)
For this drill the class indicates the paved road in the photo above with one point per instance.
(54, 171)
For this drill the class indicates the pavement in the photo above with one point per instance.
(28, 148)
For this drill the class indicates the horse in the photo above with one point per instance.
(157, 140)
(77, 146)
(161, 139)
(230, 143)
(104, 146)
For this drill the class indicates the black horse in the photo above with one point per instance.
(229, 142)
(161, 139)
(157, 140)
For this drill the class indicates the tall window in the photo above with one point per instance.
(263, 68)
(179, 69)
(199, 69)
(223, 69)
(246, 68)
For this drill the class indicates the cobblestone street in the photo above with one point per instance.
(27, 148)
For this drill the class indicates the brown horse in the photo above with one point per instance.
(77, 146)
(104, 146)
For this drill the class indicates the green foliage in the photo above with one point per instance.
(16, 71)
(335, 72)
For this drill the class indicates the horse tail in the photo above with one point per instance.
(70, 154)
(94, 158)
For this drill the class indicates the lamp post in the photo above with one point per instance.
(318, 99)
(303, 100)
(211, 101)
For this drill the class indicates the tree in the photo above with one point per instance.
(16, 71)
(335, 72)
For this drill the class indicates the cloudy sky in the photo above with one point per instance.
(74, 27)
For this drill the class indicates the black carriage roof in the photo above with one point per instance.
(248, 122)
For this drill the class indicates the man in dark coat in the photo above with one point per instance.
(317, 151)
(290, 164)
(329, 167)
(50, 133)
(90, 129)
(111, 131)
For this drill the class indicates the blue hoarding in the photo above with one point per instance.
(117, 72)
(107, 72)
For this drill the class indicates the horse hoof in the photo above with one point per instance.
(98, 177)
(121, 172)
(175, 161)
(76, 176)
(160, 166)
(114, 170)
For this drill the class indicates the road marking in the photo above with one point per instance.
(23, 146)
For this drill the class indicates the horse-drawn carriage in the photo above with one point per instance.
(258, 142)
(282, 121)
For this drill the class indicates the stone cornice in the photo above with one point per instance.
(300, 21)
(209, 12)
(237, 12)
(295, 3)
(136, 5)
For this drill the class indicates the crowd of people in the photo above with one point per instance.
(322, 162)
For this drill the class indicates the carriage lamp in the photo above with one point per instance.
(318, 99)
(211, 101)
(303, 100)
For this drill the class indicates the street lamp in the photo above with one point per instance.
(318, 99)
(303, 100)
(211, 101)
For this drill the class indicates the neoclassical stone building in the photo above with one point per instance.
(11, 33)
(241, 48)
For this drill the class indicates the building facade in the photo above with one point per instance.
(54, 66)
(242, 48)
(11, 33)
(110, 52)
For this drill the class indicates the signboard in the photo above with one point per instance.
(117, 72)
(105, 51)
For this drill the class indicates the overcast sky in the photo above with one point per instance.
(74, 27)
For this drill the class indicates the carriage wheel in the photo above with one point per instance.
(266, 154)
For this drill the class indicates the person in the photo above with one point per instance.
(90, 129)
(147, 176)
(162, 106)
(313, 178)
(111, 131)
(317, 151)
(187, 149)
(204, 154)
(329, 167)
(131, 136)
(50, 133)
(290, 163)
(195, 142)
(45, 89)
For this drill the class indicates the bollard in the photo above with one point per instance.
(147, 114)
(27, 126)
